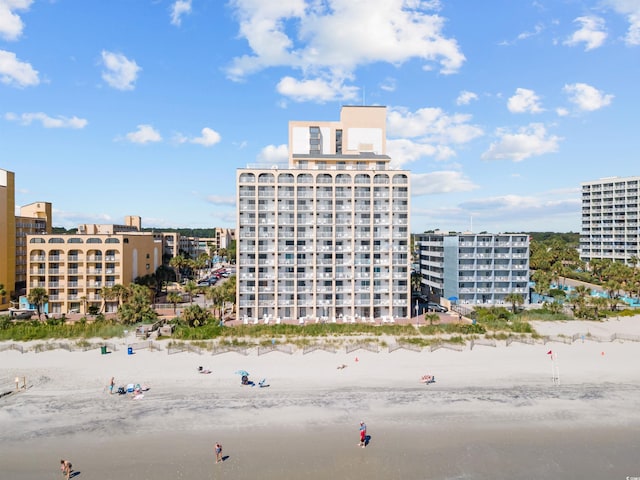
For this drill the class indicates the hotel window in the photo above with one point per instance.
(339, 141)
(315, 141)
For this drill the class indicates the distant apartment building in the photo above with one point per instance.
(610, 214)
(327, 238)
(131, 224)
(74, 268)
(224, 238)
(32, 218)
(474, 269)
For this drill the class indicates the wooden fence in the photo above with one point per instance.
(275, 348)
(362, 346)
(406, 346)
(319, 346)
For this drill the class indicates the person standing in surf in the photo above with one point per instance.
(218, 449)
(363, 435)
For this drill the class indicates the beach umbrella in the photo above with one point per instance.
(244, 373)
(453, 299)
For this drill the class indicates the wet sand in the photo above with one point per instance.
(476, 452)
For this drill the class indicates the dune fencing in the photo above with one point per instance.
(487, 342)
(230, 348)
(275, 348)
(449, 346)
(319, 346)
(406, 346)
(12, 346)
(362, 346)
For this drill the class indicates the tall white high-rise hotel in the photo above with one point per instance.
(328, 237)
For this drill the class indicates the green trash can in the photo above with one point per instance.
(103, 350)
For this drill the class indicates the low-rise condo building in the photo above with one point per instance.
(474, 269)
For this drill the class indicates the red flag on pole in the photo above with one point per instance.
(549, 352)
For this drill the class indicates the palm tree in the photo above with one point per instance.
(416, 281)
(598, 303)
(578, 299)
(174, 298)
(178, 262)
(216, 295)
(514, 299)
(229, 290)
(137, 307)
(120, 293)
(83, 299)
(431, 317)
(191, 287)
(106, 293)
(542, 281)
(38, 296)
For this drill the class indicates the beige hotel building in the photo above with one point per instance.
(74, 268)
(328, 237)
(34, 218)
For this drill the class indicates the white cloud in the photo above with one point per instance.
(221, 200)
(403, 151)
(536, 31)
(315, 90)
(274, 154)
(440, 182)
(427, 132)
(16, 73)
(432, 124)
(388, 85)
(524, 101)
(208, 138)
(144, 134)
(11, 24)
(630, 8)
(529, 141)
(120, 72)
(331, 39)
(465, 97)
(178, 10)
(586, 97)
(562, 112)
(592, 33)
(47, 121)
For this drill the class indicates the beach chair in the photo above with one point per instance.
(427, 379)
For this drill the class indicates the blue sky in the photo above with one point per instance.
(499, 108)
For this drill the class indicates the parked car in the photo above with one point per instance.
(436, 307)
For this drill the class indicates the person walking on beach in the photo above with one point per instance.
(65, 467)
(112, 384)
(363, 435)
(218, 449)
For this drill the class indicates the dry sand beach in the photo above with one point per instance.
(494, 412)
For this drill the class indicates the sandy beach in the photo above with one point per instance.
(493, 412)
